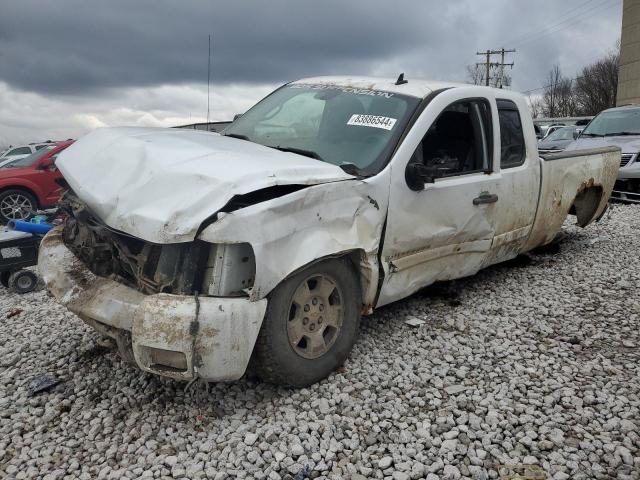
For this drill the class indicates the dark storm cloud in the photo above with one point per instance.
(70, 46)
(80, 46)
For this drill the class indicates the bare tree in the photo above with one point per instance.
(558, 99)
(597, 85)
(550, 95)
(566, 98)
(535, 106)
(475, 74)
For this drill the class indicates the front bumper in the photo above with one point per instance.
(160, 333)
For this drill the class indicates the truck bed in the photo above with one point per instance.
(576, 182)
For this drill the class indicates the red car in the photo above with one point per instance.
(29, 183)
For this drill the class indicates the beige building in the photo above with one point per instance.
(629, 72)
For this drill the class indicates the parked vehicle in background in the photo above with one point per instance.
(29, 183)
(552, 128)
(196, 252)
(619, 127)
(557, 140)
(14, 159)
(538, 131)
(21, 151)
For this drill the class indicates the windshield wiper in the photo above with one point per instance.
(351, 169)
(591, 135)
(237, 135)
(300, 151)
(620, 134)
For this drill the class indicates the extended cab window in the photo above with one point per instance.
(511, 135)
(458, 142)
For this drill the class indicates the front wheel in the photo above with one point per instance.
(311, 324)
(16, 205)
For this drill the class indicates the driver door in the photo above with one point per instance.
(443, 228)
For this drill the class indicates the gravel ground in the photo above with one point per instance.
(532, 362)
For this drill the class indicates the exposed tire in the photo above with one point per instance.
(23, 281)
(311, 324)
(16, 204)
(4, 279)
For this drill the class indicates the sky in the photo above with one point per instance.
(69, 66)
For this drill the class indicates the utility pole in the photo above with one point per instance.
(502, 64)
(488, 64)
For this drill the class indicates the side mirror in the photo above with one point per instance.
(576, 134)
(236, 116)
(417, 175)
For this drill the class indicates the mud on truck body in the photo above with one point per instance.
(203, 254)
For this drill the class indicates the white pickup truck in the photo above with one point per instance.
(203, 254)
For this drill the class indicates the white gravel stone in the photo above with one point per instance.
(250, 439)
(540, 371)
(455, 389)
(297, 450)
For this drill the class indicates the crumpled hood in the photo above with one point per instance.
(161, 184)
(628, 144)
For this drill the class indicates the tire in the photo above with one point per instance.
(16, 205)
(23, 281)
(308, 332)
(4, 279)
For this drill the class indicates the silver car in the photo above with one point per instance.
(557, 140)
(619, 127)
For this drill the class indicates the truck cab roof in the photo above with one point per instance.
(412, 87)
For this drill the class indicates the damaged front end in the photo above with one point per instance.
(179, 310)
(178, 268)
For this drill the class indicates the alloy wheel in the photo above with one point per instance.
(315, 316)
(16, 207)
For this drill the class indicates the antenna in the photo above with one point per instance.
(401, 80)
(208, 79)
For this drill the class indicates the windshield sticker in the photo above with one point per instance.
(375, 121)
(357, 91)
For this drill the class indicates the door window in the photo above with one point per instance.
(512, 149)
(459, 141)
(19, 151)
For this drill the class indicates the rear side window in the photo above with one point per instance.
(19, 151)
(511, 135)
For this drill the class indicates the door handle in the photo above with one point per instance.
(485, 198)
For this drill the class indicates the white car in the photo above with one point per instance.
(198, 252)
(21, 151)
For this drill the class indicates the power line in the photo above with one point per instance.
(536, 31)
(590, 62)
(584, 15)
(554, 84)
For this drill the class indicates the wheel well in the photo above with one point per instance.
(357, 261)
(586, 204)
(24, 189)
